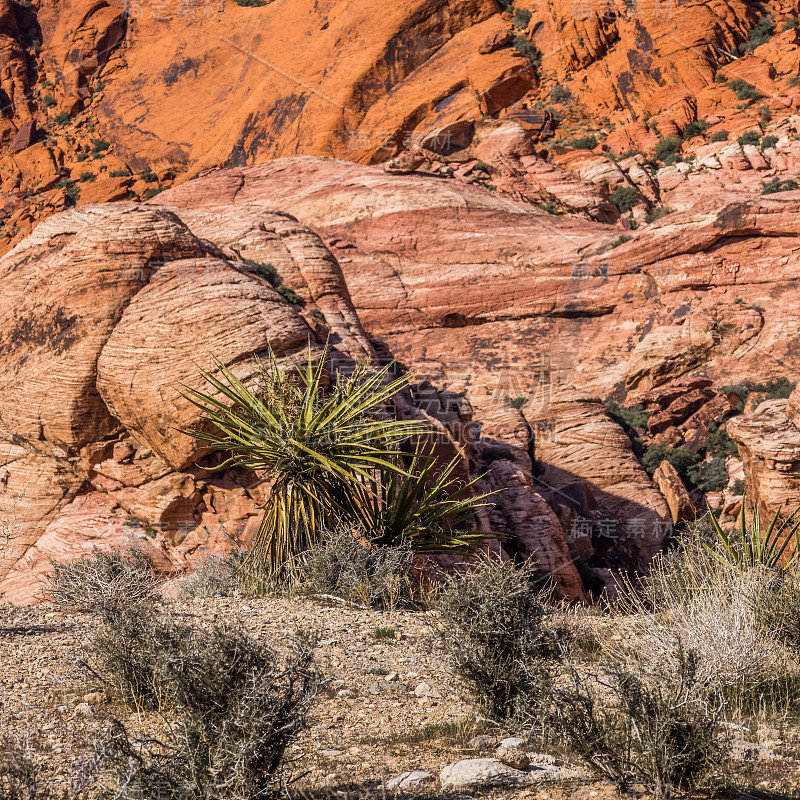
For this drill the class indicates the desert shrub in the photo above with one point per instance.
(119, 173)
(720, 445)
(521, 18)
(695, 600)
(658, 212)
(103, 583)
(620, 240)
(86, 177)
(100, 146)
(623, 197)
(759, 34)
(550, 207)
(719, 136)
(264, 270)
(560, 94)
(749, 137)
(151, 191)
(766, 117)
(709, 475)
(737, 487)
(662, 728)
(347, 566)
(233, 708)
(22, 778)
(211, 576)
(73, 193)
(62, 118)
(777, 389)
(252, 3)
(527, 48)
(743, 90)
(679, 457)
(290, 295)
(633, 417)
(148, 175)
(769, 141)
(695, 128)
(584, 143)
(491, 627)
(777, 185)
(667, 146)
(48, 101)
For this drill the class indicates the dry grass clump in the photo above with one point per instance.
(231, 706)
(346, 565)
(736, 623)
(491, 626)
(661, 727)
(103, 583)
(22, 778)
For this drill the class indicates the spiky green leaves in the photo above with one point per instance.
(756, 547)
(336, 458)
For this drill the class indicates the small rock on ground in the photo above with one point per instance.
(410, 780)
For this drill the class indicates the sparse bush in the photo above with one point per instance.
(660, 727)
(624, 197)
(290, 295)
(150, 192)
(667, 146)
(62, 118)
(720, 445)
(719, 136)
(490, 626)
(737, 487)
(48, 101)
(743, 90)
(252, 3)
(759, 34)
(21, 777)
(694, 128)
(148, 175)
(560, 94)
(658, 212)
(777, 185)
(103, 583)
(521, 18)
(550, 207)
(100, 146)
(709, 475)
(769, 141)
(765, 114)
(86, 177)
(749, 137)
(73, 193)
(777, 389)
(264, 270)
(527, 48)
(620, 241)
(119, 173)
(212, 576)
(679, 457)
(346, 565)
(234, 708)
(584, 143)
(633, 417)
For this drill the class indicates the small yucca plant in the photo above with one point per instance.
(756, 547)
(336, 459)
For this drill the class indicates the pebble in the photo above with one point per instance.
(426, 690)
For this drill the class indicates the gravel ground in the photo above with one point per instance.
(368, 725)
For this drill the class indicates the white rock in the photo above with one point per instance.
(426, 690)
(410, 780)
(482, 742)
(332, 753)
(512, 741)
(478, 773)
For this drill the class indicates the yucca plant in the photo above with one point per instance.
(425, 509)
(336, 459)
(756, 547)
